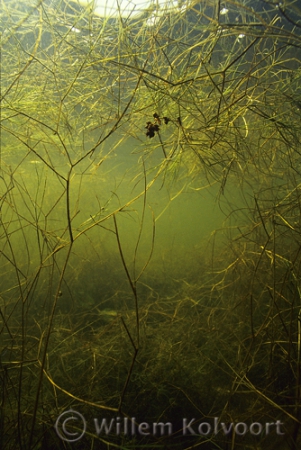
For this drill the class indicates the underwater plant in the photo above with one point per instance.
(150, 225)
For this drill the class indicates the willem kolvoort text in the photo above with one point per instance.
(129, 426)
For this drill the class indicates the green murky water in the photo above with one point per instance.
(150, 226)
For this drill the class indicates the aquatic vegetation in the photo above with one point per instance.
(150, 223)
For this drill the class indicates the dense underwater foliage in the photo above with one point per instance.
(150, 225)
